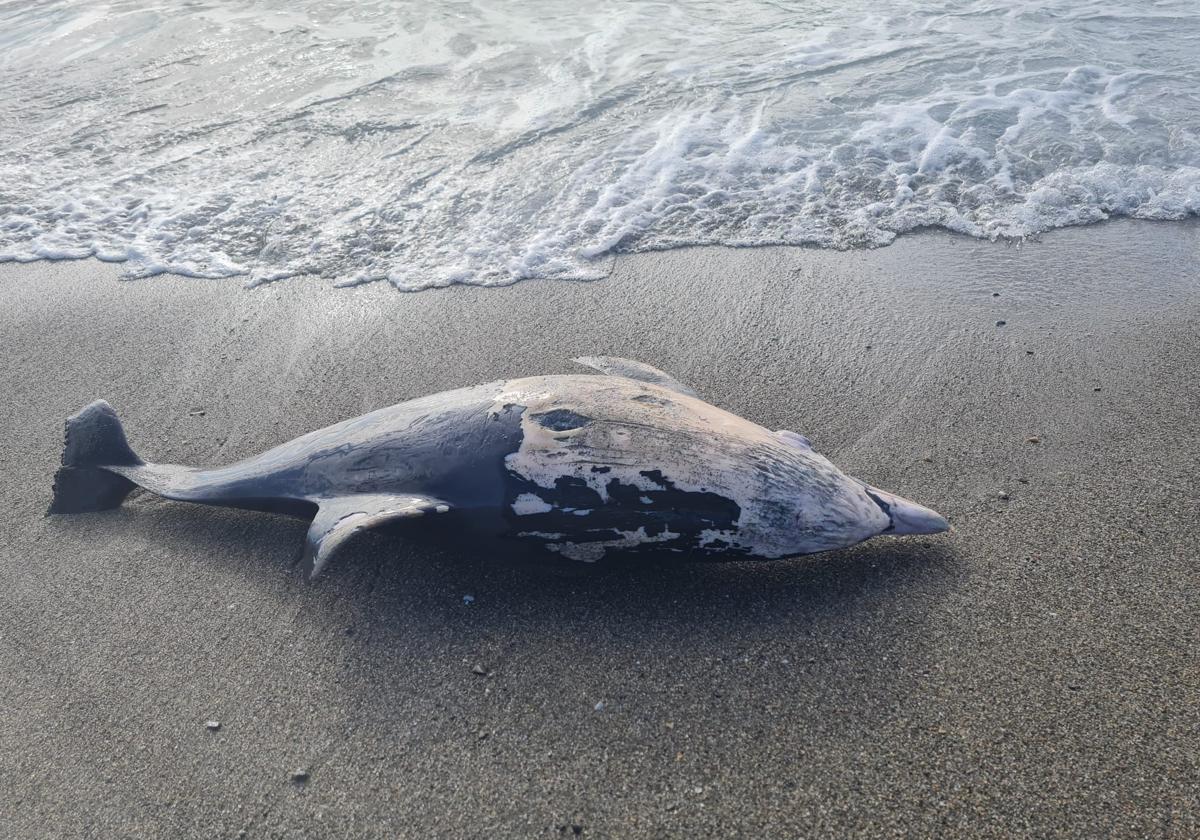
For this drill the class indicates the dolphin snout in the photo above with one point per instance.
(907, 516)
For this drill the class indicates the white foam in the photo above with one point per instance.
(425, 147)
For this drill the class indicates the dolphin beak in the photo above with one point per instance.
(907, 517)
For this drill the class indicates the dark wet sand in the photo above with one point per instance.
(1034, 673)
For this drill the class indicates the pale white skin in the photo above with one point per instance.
(791, 499)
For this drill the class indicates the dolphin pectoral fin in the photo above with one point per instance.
(341, 517)
(642, 372)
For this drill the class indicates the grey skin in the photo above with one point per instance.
(585, 467)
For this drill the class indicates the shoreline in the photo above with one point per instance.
(614, 258)
(1031, 672)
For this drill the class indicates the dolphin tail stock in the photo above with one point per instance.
(99, 468)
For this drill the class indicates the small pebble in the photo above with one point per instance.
(599, 707)
(995, 294)
(1028, 352)
(1001, 323)
(479, 670)
(212, 725)
(300, 776)
(468, 599)
(1033, 439)
(1002, 496)
(1095, 389)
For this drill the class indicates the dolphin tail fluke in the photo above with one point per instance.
(94, 441)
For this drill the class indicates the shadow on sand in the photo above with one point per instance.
(390, 579)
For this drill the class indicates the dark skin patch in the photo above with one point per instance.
(649, 399)
(561, 420)
(658, 478)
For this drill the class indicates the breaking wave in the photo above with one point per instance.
(486, 142)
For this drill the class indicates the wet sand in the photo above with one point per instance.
(1032, 673)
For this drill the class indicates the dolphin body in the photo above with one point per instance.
(584, 466)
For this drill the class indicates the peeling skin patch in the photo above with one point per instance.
(716, 539)
(628, 519)
(527, 504)
(590, 552)
(648, 461)
(542, 535)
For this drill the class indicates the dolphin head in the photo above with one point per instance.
(837, 510)
(907, 517)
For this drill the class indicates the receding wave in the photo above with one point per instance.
(486, 142)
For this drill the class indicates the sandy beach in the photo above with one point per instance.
(1032, 673)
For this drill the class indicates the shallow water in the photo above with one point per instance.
(485, 142)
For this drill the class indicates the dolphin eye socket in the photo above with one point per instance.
(562, 420)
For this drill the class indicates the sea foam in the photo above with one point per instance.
(487, 142)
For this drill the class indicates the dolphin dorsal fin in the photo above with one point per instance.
(642, 372)
(341, 517)
(793, 438)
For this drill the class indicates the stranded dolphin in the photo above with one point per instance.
(583, 466)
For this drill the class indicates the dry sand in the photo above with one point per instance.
(1033, 673)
